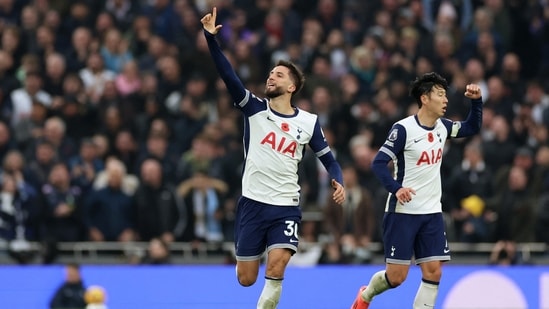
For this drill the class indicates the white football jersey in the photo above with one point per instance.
(416, 152)
(274, 145)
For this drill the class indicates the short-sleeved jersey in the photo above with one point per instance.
(416, 152)
(274, 145)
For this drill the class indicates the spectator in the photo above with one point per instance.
(138, 36)
(157, 213)
(158, 253)
(104, 22)
(95, 75)
(352, 225)
(123, 12)
(70, 295)
(128, 82)
(45, 41)
(55, 74)
(170, 78)
(29, 23)
(499, 100)
(164, 19)
(513, 76)
(157, 147)
(202, 198)
(155, 49)
(456, 14)
(539, 98)
(11, 42)
(18, 220)
(130, 182)
(115, 51)
(77, 55)
(62, 210)
(125, 149)
(199, 157)
(55, 132)
(110, 211)
(498, 144)
(470, 185)
(14, 164)
(22, 98)
(40, 165)
(523, 158)
(504, 253)
(85, 166)
(31, 128)
(514, 208)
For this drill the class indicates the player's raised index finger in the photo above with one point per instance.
(214, 13)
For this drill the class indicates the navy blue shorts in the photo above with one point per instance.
(261, 227)
(420, 236)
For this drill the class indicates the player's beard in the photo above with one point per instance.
(276, 92)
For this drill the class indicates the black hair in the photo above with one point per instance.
(424, 84)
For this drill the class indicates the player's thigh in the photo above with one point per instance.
(247, 269)
(277, 260)
(431, 243)
(283, 232)
(399, 231)
(250, 230)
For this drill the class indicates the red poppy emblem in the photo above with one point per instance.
(285, 127)
(430, 137)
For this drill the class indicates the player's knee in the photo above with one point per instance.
(246, 280)
(396, 279)
(433, 275)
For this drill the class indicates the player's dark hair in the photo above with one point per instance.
(424, 84)
(296, 74)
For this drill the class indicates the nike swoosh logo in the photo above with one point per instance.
(269, 118)
(293, 240)
(417, 140)
(446, 250)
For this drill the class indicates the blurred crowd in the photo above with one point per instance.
(114, 125)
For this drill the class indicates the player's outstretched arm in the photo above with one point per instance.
(226, 71)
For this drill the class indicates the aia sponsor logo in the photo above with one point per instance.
(280, 144)
(430, 157)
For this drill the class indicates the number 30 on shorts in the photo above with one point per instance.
(291, 229)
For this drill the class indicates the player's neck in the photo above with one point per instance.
(282, 105)
(426, 118)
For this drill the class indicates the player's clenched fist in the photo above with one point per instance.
(472, 91)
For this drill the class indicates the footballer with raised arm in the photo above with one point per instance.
(276, 133)
(413, 225)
